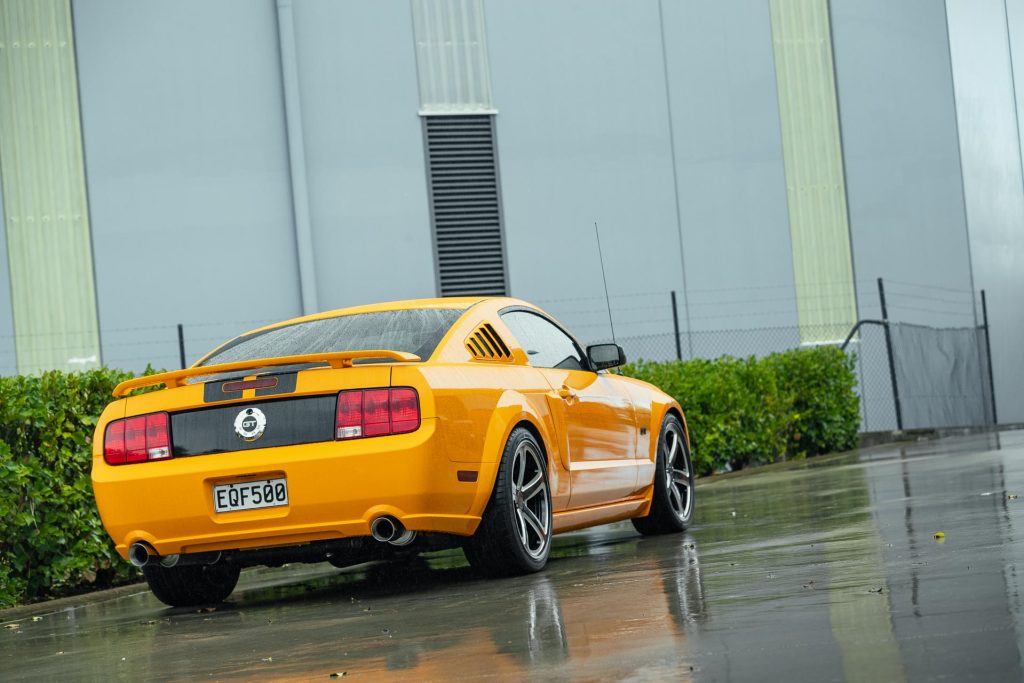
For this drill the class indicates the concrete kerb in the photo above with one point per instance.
(869, 439)
(35, 609)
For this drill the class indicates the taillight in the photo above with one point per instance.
(138, 439)
(377, 412)
(349, 422)
(158, 436)
(405, 410)
(113, 443)
(376, 416)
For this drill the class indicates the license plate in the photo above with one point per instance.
(250, 495)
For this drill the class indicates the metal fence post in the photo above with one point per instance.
(888, 349)
(675, 326)
(988, 355)
(181, 345)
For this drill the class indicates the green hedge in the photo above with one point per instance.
(740, 412)
(53, 541)
(751, 411)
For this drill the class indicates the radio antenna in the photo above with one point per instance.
(604, 278)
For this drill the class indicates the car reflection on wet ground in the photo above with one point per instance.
(828, 569)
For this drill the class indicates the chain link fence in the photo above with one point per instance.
(921, 376)
(941, 373)
(932, 371)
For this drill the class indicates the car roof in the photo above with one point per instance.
(458, 303)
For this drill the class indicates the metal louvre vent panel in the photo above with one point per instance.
(485, 344)
(465, 205)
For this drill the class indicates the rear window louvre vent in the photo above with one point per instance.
(485, 344)
(465, 205)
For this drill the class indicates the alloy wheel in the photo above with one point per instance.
(530, 499)
(678, 478)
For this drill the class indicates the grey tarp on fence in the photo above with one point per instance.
(942, 375)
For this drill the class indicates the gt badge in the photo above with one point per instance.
(250, 423)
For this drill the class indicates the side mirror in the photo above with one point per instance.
(604, 356)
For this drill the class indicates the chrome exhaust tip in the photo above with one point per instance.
(387, 529)
(169, 561)
(404, 538)
(384, 529)
(140, 554)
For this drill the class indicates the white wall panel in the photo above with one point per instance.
(8, 364)
(46, 212)
(994, 188)
(815, 186)
(451, 56)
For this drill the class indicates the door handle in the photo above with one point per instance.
(567, 393)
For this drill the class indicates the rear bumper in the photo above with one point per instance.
(335, 490)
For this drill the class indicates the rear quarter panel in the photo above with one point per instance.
(477, 407)
(478, 403)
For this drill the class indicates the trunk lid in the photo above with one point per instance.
(300, 408)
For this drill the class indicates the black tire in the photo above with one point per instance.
(192, 585)
(514, 536)
(672, 505)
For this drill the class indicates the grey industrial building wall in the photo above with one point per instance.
(989, 142)
(658, 121)
(903, 179)
(584, 134)
(902, 159)
(731, 179)
(186, 161)
(583, 138)
(364, 152)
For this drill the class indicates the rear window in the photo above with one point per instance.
(415, 331)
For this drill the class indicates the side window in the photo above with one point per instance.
(545, 344)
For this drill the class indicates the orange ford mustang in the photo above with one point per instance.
(377, 431)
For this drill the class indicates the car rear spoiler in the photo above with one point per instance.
(336, 359)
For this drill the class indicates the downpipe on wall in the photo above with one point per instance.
(296, 156)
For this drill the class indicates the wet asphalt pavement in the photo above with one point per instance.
(821, 570)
